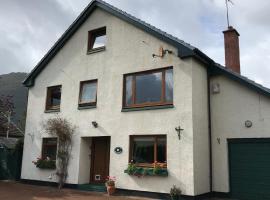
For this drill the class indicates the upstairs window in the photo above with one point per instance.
(145, 150)
(53, 98)
(88, 93)
(97, 40)
(49, 148)
(150, 88)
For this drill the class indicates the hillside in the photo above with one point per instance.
(11, 84)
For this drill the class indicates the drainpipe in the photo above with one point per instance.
(209, 132)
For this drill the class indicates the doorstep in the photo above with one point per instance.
(92, 187)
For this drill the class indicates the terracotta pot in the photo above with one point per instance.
(110, 190)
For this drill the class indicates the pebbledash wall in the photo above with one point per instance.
(229, 110)
(128, 49)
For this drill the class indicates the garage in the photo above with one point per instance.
(249, 162)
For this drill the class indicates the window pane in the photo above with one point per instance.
(99, 41)
(49, 148)
(143, 150)
(128, 91)
(169, 85)
(161, 150)
(55, 96)
(89, 92)
(148, 88)
(50, 152)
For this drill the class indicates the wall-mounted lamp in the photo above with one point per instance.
(178, 130)
(95, 124)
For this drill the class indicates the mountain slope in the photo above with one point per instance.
(11, 84)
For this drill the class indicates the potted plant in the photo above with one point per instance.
(175, 193)
(110, 184)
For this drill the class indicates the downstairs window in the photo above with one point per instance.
(147, 150)
(49, 148)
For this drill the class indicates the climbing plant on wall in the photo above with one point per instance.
(64, 131)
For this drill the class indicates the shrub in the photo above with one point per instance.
(175, 191)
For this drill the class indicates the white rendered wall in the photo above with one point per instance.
(230, 109)
(200, 129)
(85, 163)
(128, 50)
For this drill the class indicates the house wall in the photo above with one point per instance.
(128, 49)
(229, 110)
(84, 162)
(200, 128)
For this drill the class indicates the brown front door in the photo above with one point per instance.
(100, 158)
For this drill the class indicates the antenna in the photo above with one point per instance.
(227, 8)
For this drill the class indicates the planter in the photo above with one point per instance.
(142, 171)
(45, 164)
(110, 190)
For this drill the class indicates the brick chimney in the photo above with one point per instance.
(232, 55)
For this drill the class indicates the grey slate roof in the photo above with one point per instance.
(184, 49)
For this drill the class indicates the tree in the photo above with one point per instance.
(64, 131)
(6, 112)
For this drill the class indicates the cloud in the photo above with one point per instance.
(29, 28)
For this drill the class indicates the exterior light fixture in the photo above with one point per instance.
(95, 124)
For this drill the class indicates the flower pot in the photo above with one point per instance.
(110, 190)
(176, 197)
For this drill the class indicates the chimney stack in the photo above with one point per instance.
(232, 55)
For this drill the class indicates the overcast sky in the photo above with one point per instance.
(28, 28)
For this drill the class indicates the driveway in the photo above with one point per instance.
(18, 191)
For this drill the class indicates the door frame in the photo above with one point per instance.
(91, 178)
(239, 141)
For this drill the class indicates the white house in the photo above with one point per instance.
(137, 94)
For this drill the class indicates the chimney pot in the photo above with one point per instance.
(232, 53)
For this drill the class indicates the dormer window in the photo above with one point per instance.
(97, 40)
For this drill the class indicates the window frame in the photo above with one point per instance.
(148, 165)
(91, 39)
(46, 145)
(94, 103)
(48, 106)
(163, 101)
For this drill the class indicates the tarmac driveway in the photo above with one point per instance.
(18, 191)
